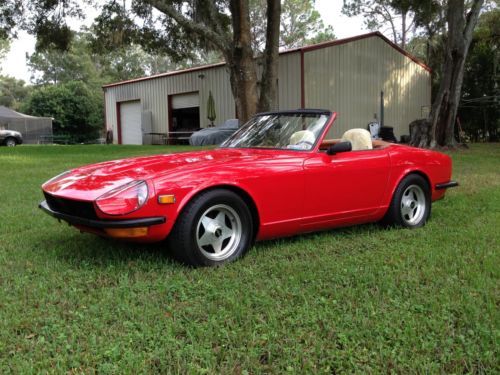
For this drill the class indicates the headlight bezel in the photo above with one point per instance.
(56, 178)
(120, 200)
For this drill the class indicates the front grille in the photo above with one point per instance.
(71, 207)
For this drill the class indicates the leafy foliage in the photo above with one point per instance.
(396, 16)
(300, 24)
(4, 48)
(118, 27)
(47, 19)
(13, 92)
(53, 66)
(77, 110)
(84, 63)
(479, 110)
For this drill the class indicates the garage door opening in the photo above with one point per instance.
(184, 116)
(187, 119)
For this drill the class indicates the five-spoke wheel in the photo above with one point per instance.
(215, 227)
(411, 203)
(218, 232)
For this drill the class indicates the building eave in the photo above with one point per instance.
(294, 50)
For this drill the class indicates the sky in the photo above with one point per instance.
(15, 62)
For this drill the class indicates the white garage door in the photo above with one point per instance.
(186, 100)
(130, 121)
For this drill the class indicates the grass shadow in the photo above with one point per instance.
(83, 250)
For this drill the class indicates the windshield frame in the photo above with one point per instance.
(318, 112)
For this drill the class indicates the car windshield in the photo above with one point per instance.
(294, 131)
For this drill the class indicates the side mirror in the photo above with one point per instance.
(339, 147)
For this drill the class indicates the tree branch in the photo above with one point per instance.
(472, 17)
(212, 15)
(198, 28)
(388, 17)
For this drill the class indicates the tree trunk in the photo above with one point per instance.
(420, 133)
(268, 82)
(444, 108)
(240, 60)
(237, 49)
(403, 30)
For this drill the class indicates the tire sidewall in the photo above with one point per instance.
(195, 210)
(397, 217)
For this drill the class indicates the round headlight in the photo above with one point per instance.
(124, 199)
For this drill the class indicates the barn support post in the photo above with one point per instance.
(381, 108)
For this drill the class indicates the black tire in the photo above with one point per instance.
(200, 221)
(411, 203)
(10, 141)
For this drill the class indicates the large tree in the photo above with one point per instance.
(225, 26)
(461, 24)
(53, 66)
(77, 110)
(479, 109)
(168, 25)
(12, 92)
(46, 19)
(453, 22)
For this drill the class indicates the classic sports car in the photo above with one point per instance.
(276, 176)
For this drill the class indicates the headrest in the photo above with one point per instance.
(302, 136)
(360, 139)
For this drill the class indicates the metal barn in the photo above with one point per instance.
(346, 76)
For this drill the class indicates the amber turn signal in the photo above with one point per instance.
(166, 199)
(127, 232)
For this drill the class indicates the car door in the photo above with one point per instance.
(345, 185)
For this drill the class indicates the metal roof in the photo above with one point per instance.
(300, 49)
(10, 113)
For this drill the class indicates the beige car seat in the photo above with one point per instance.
(360, 139)
(302, 136)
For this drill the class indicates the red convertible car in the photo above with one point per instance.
(278, 175)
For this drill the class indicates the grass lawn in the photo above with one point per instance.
(361, 299)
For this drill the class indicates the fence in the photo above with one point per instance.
(34, 130)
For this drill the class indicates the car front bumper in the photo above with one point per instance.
(102, 224)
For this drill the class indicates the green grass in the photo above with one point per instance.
(361, 299)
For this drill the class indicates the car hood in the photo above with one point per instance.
(91, 181)
(10, 132)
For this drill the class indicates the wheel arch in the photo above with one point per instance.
(388, 213)
(402, 176)
(420, 173)
(242, 193)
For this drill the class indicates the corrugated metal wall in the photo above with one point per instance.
(348, 78)
(289, 81)
(153, 94)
